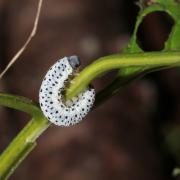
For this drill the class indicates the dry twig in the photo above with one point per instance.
(32, 34)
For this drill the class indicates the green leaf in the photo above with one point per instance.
(20, 103)
(126, 75)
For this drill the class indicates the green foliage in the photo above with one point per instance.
(125, 75)
(132, 64)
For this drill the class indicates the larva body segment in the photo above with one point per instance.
(51, 100)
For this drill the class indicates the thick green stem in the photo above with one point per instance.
(99, 67)
(21, 146)
(25, 141)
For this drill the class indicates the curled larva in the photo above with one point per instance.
(52, 103)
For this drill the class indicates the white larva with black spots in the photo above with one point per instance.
(51, 99)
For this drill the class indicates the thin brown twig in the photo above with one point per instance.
(32, 34)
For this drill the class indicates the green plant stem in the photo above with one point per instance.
(115, 86)
(25, 141)
(121, 81)
(147, 60)
(21, 146)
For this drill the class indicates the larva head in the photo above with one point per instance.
(74, 61)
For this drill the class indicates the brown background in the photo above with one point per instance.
(122, 138)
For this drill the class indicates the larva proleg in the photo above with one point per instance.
(51, 98)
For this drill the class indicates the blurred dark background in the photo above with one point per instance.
(122, 138)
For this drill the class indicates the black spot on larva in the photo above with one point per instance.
(67, 110)
(41, 104)
(59, 116)
(56, 112)
(75, 115)
(53, 84)
(50, 92)
(56, 82)
(66, 117)
(41, 90)
(51, 102)
(82, 109)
